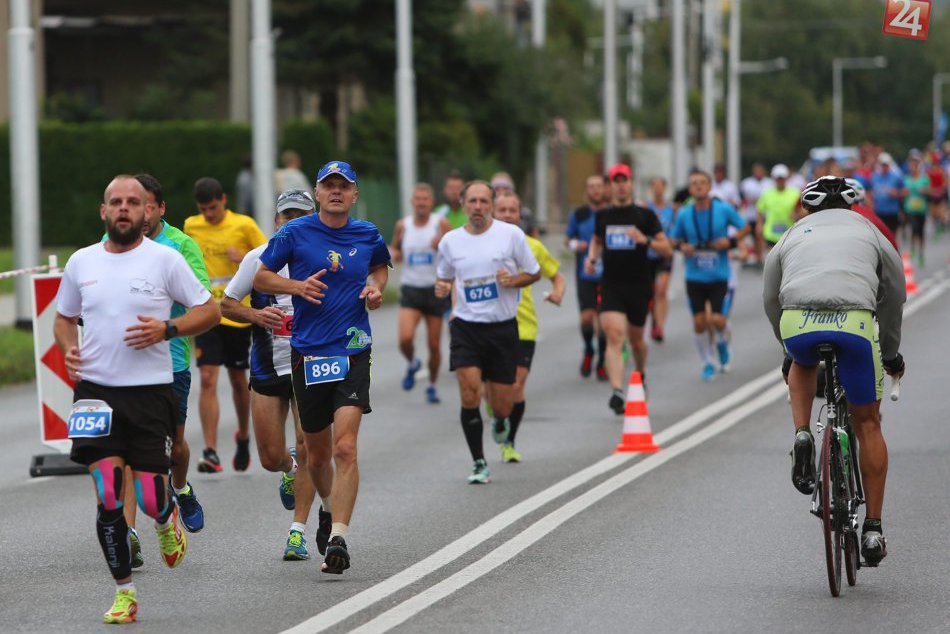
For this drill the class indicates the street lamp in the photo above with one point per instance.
(837, 66)
(610, 83)
(939, 80)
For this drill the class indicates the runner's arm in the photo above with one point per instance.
(891, 297)
(311, 289)
(557, 293)
(593, 254)
(660, 243)
(395, 248)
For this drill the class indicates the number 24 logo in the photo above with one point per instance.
(907, 18)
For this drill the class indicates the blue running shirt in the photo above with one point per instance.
(697, 227)
(339, 325)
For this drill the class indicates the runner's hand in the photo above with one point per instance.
(504, 277)
(234, 255)
(637, 236)
(269, 317)
(73, 366)
(311, 289)
(442, 289)
(687, 248)
(145, 334)
(373, 297)
(590, 266)
(554, 297)
(720, 244)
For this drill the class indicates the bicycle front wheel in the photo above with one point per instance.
(829, 523)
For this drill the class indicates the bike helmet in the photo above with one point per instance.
(858, 188)
(828, 192)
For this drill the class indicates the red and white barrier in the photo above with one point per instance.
(53, 386)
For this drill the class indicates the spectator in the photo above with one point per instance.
(291, 177)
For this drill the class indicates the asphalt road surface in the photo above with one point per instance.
(707, 535)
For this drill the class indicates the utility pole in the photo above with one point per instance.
(263, 122)
(538, 32)
(610, 83)
(732, 97)
(678, 116)
(405, 105)
(24, 154)
(240, 58)
(710, 54)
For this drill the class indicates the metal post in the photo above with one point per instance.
(263, 121)
(635, 62)
(538, 32)
(836, 103)
(240, 58)
(679, 115)
(24, 154)
(709, 89)
(405, 105)
(732, 97)
(610, 83)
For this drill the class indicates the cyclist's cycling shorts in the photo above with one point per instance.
(852, 333)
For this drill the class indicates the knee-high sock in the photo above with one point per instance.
(601, 349)
(473, 427)
(113, 532)
(517, 413)
(587, 332)
(702, 345)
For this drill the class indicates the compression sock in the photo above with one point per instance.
(702, 345)
(601, 350)
(517, 413)
(473, 427)
(872, 524)
(113, 533)
(587, 332)
(325, 501)
(722, 336)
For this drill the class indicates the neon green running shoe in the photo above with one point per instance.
(509, 453)
(480, 473)
(172, 541)
(296, 549)
(138, 559)
(286, 490)
(123, 609)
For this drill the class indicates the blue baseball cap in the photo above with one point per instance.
(337, 167)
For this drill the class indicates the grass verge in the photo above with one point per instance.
(16, 362)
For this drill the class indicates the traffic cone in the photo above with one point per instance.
(909, 282)
(637, 435)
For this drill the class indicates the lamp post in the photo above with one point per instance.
(405, 105)
(263, 116)
(610, 83)
(838, 65)
(679, 114)
(939, 80)
(538, 29)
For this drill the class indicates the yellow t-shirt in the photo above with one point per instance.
(236, 230)
(527, 319)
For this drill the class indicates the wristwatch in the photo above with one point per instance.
(171, 330)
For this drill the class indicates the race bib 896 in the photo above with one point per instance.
(325, 369)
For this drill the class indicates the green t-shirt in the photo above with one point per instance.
(916, 201)
(456, 217)
(777, 208)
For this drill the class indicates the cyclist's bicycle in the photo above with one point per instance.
(838, 491)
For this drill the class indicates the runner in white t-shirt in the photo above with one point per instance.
(723, 188)
(271, 319)
(751, 189)
(125, 407)
(482, 260)
(415, 241)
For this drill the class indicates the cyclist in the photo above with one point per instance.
(823, 283)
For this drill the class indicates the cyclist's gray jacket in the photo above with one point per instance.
(836, 259)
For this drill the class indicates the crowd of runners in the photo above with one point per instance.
(288, 319)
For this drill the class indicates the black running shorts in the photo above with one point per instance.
(281, 387)
(424, 300)
(632, 300)
(701, 292)
(492, 347)
(143, 425)
(224, 345)
(316, 404)
(525, 353)
(588, 294)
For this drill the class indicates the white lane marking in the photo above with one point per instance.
(925, 298)
(38, 479)
(357, 603)
(412, 606)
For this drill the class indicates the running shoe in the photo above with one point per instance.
(409, 381)
(124, 608)
(138, 559)
(286, 486)
(432, 396)
(480, 473)
(601, 373)
(873, 548)
(192, 515)
(724, 356)
(616, 402)
(587, 365)
(172, 541)
(337, 559)
(803, 462)
(324, 525)
(209, 463)
(296, 549)
(500, 429)
(509, 454)
(708, 372)
(242, 457)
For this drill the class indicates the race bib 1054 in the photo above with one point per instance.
(89, 418)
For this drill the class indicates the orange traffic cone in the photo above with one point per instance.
(909, 282)
(637, 435)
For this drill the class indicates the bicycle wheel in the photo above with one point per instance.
(851, 549)
(828, 515)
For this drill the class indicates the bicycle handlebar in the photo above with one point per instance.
(895, 388)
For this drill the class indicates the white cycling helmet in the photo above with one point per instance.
(858, 188)
(828, 192)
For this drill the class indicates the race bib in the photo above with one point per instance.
(706, 260)
(420, 258)
(287, 324)
(480, 289)
(89, 418)
(325, 369)
(218, 284)
(617, 238)
(779, 228)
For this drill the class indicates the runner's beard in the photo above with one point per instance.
(127, 237)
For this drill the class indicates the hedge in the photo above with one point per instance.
(77, 161)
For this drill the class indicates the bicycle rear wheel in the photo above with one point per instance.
(829, 523)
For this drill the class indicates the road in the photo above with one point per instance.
(708, 535)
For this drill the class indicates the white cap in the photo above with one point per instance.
(884, 157)
(780, 171)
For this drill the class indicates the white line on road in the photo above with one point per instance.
(412, 606)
